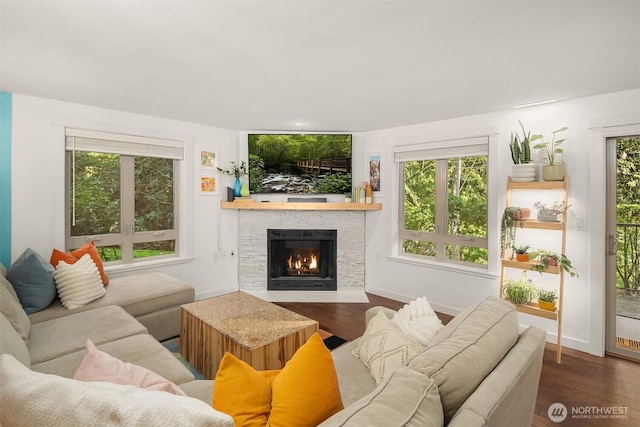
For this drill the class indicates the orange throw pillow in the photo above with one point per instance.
(72, 257)
(303, 393)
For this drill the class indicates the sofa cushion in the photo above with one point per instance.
(303, 393)
(78, 283)
(32, 278)
(463, 353)
(11, 343)
(142, 350)
(137, 294)
(71, 257)
(32, 398)
(100, 366)
(354, 377)
(384, 347)
(12, 310)
(509, 392)
(68, 334)
(408, 398)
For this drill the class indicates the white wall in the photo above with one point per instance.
(38, 186)
(211, 233)
(450, 291)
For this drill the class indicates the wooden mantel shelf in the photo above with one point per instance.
(292, 206)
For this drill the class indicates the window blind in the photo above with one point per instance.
(130, 145)
(478, 146)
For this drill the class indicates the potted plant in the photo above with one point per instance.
(510, 218)
(547, 299)
(521, 253)
(545, 259)
(519, 291)
(519, 145)
(554, 169)
(237, 171)
(550, 213)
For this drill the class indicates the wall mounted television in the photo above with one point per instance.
(300, 163)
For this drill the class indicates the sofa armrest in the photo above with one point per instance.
(374, 310)
(507, 396)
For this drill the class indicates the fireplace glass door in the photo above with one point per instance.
(301, 259)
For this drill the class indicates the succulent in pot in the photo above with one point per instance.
(521, 253)
(519, 291)
(547, 299)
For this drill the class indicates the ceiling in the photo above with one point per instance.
(332, 65)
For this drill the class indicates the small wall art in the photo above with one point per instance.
(208, 184)
(208, 159)
(373, 168)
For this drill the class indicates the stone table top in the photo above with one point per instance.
(248, 320)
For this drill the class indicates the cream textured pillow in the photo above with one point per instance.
(100, 366)
(384, 348)
(78, 284)
(31, 398)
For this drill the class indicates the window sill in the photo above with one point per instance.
(144, 265)
(461, 269)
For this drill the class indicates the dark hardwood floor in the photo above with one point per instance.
(582, 382)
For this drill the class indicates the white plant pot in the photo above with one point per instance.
(524, 172)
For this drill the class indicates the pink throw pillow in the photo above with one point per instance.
(100, 366)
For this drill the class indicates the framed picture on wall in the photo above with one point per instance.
(373, 169)
(208, 184)
(208, 159)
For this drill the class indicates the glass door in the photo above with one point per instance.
(623, 241)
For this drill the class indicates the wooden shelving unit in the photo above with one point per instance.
(532, 308)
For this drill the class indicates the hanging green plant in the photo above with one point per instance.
(510, 217)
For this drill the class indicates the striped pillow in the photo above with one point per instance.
(79, 283)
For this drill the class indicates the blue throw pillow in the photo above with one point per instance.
(32, 278)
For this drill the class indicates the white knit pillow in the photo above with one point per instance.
(79, 283)
(384, 348)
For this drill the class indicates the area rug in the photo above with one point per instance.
(330, 340)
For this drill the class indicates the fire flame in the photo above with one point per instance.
(298, 263)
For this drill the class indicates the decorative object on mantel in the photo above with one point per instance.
(523, 169)
(554, 169)
(550, 214)
(237, 171)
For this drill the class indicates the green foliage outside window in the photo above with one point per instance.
(628, 214)
(466, 206)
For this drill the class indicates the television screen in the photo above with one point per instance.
(299, 163)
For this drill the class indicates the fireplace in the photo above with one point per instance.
(301, 259)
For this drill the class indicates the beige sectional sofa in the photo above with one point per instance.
(153, 298)
(478, 370)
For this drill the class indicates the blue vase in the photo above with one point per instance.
(236, 188)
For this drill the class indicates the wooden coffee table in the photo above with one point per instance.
(258, 332)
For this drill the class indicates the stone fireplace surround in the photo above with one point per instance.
(252, 251)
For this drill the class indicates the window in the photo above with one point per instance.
(443, 201)
(122, 194)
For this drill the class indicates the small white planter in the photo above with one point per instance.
(524, 172)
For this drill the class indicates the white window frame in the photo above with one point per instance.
(441, 151)
(128, 147)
